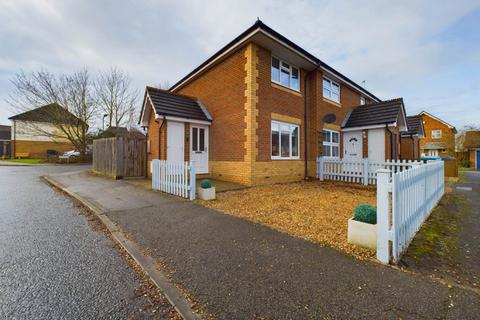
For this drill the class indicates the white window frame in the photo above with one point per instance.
(331, 144)
(291, 127)
(330, 90)
(290, 72)
(435, 136)
(362, 100)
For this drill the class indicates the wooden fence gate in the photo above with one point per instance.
(120, 157)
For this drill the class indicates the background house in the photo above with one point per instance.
(410, 140)
(468, 144)
(5, 137)
(439, 137)
(33, 132)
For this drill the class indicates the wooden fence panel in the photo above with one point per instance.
(120, 157)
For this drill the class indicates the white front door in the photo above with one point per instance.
(175, 141)
(199, 147)
(352, 145)
(376, 145)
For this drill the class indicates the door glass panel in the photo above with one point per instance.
(202, 139)
(195, 139)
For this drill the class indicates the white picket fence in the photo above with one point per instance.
(176, 178)
(404, 201)
(358, 171)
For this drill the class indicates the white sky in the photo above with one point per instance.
(425, 51)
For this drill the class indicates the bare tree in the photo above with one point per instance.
(71, 108)
(116, 97)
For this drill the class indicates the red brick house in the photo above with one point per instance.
(262, 109)
(439, 139)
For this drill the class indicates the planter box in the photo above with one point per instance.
(362, 234)
(206, 194)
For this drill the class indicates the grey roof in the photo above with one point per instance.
(175, 105)
(386, 112)
(434, 145)
(5, 132)
(415, 125)
(51, 113)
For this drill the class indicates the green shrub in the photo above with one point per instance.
(205, 184)
(365, 213)
(465, 163)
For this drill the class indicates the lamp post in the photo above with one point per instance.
(103, 121)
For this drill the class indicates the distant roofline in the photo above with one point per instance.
(438, 119)
(259, 26)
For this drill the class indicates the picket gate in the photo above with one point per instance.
(177, 178)
(404, 201)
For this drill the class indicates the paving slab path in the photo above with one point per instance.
(448, 244)
(235, 269)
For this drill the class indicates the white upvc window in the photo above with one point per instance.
(285, 140)
(331, 143)
(362, 100)
(436, 134)
(285, 74)
(331, 90)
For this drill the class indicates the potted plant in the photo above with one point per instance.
(206, 191)
(362, 228)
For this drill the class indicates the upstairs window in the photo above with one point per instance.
(362, 100)
(436, 134)
(285, 74)
(331, 143)
(285, 140)
(331, 90)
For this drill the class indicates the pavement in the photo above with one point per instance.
(448, 245)
(235, 269)
(52, 264)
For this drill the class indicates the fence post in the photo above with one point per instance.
(320, 166)
(192, 181)
(383, 215)
(365, 172)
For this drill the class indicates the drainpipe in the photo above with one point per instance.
(305, 119)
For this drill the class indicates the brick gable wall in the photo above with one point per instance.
(448, 136)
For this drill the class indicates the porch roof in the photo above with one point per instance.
(175, 105)
(381, 113)
(415, 125)
(434, 146)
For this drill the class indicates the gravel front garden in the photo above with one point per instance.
(315, 211)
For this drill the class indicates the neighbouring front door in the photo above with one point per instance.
(199, 147)
(352, 142)
(478, 159)
(175, 141)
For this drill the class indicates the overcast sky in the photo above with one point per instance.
(427, 52)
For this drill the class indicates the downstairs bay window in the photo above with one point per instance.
(285, 140)
(331, 143)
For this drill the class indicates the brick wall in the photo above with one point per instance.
(38, 149)
(448, 135)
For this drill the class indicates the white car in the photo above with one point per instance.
(69, 155)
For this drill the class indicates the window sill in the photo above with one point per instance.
(286, 89)
(296, 158)
(336, 104)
